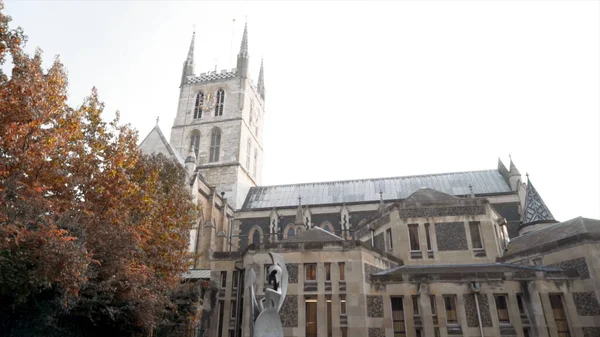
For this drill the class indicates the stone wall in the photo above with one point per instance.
(374, 306)
(425, 212)
(471, 310)
(289, 311)
(586, 303)
(578, 264)
(292, 269)
(379, 241)
(451, 236)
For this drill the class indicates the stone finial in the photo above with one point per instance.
(299, 219)
(307, 215)
(260, 86)
(381, 203)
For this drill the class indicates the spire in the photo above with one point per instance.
(536, 210)
(513, 171)
(243, 57)
(261, 81)
(190, 57)
(188, 64)
(244, 45)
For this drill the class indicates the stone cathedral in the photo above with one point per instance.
(474, 253)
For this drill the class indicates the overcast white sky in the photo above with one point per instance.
(362, 89)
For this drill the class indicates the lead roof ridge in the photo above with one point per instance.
(367, 179)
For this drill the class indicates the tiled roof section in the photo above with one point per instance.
(314, 234)
(553, 236)
(197, 274)
(463, 268)
(367, 190)
(535, 208)
(213, 76)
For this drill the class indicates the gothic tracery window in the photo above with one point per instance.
(198, 105)
(195, 142)
(220, 102)
(215, 145)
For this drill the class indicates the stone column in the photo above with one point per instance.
(425, 309)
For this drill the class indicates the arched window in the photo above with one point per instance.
(255, 235)
(255, 163)
(195, 142)
(291, 232)
(215, 145)
(248, 149)
(198, 105)
(328, 227)
(220, 102)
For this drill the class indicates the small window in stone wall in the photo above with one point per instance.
(310, 272)
(502, 309)
(475, 235)
(433, 306)
(390, 243)
(560, 318)
(520, 304)
(450, 304)
(220, 102)
(342, 266)
(398, 321)
(329, 317)
(215, 145)
(223, 279)
(428, 237)
(342, 304)
(413, 232)
(233, 309)
(327, 271)
(235, 279)
(415, 304)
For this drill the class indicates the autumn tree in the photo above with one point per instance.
(93, 235)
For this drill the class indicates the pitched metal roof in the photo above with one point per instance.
(212, 76)
(535, 208)
(337, 192)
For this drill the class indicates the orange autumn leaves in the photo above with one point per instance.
(82, 213)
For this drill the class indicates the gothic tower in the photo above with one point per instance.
(220, 118)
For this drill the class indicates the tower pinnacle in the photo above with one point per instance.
(261, 81)
(244, 45)
(188, 64)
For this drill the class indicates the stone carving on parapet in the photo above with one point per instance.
(265, 313)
